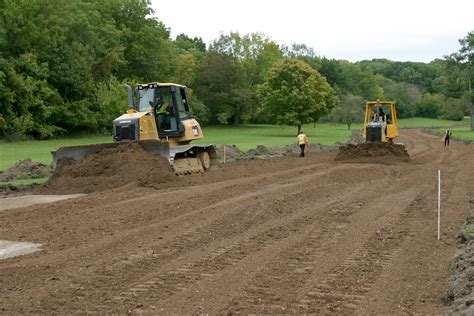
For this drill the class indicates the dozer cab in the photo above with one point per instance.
(158, 118)
(380, 121)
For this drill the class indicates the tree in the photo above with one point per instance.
(186, 69)
(350, 110)
(188, 44)
(453, 109)
(430, 105)
(294, 93)
(226, 76)
(464, 59)
(404, 94)
(218, 85)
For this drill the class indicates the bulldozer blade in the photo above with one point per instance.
(183, 158)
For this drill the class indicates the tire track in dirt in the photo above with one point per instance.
(212, 227)
(276, 289)
(405, 288)
(237, 251)
(416, 148)
(342, 290)
(317, 240)
(224, 226)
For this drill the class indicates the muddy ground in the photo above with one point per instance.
(286, 235)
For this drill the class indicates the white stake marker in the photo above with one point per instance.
(439, 203)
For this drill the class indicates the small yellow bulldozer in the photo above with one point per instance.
(380, 121)
(380, 129)
(158, 118)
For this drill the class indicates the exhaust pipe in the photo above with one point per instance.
(129, 93)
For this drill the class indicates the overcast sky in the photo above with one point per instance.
(341, 29)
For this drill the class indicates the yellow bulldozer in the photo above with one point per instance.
(159, 119)
(380, 121)
(380, 130)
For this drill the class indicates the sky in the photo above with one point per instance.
(400, 30)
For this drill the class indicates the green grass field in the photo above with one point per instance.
(245, 137)
(39, 150)
(460, 133)
(427, 122)
(250, 136)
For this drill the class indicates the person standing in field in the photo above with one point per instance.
(447, 136)
(302, 142)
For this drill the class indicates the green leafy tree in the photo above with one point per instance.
(252, 54)
(350, 110)
(404, 94)
(430, 105)
(295, 94)
(453, 109)
(187, 44)
(218, 86)
(464, 60)
(186, 71)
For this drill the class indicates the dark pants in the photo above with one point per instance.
(302, 150)
(446, 141)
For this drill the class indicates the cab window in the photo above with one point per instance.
(183, 114)
(145, 99)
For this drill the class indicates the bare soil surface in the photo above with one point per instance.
(27, 200)
(459, 296)
(285, 235)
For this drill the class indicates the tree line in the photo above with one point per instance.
(63, 65)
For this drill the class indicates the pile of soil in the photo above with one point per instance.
(26, 169)
(233, 153)
(108, 169)
(373, 152)
(460, 295)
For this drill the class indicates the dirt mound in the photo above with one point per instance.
(373, 152)
(108, 169)
(459, 295)
(233, 153)
(26, 169)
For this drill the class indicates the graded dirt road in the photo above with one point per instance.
(286, 235)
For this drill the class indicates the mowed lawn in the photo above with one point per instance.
(428, 122)
(460, 129)
(251, 135)
(40, 150)
(459, 133)
(246, 137)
